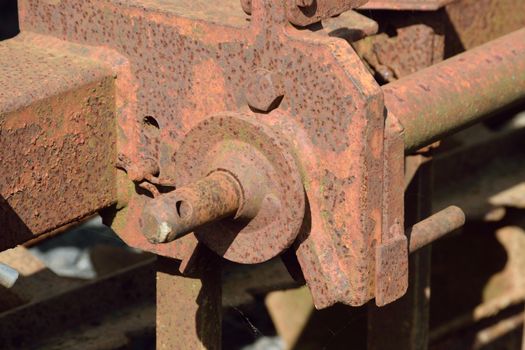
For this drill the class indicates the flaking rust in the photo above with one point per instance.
(247, 134)
(192, 60)
(57, 140)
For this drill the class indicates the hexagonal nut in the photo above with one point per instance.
(264, 90)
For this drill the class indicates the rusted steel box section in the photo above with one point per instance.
(57, 139)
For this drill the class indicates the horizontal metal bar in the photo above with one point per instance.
(404, 5)
(460, 91)
(57, 143)
(435, 227)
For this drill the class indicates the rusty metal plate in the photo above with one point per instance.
(406, 45)
(57, 140)
(392, 266)
(392, 250)
(181, 70)
(475, 22)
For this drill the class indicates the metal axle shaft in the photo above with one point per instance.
(176, 214)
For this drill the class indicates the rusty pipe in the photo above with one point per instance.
(178, 213)
(435, 227)
(459, 91)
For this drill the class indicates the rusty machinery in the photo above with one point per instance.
(251, 128)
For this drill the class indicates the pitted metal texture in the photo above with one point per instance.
(185, 65)
(57, 140)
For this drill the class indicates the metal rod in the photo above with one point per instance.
(176, 214)
(435, 227)
(459, 91)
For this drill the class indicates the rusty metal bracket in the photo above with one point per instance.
(392, 251)
(245, 134)
(330, 115)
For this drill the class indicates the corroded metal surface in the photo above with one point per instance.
(410, 42)
(57, 140)
(305, 123)
(189, 309)
(435, 226)
(332, 107)
(475, 22)
(266, 195)
(418, 5)
(392, 253)
(405, 40)
(487, 78)
(302, 13)
(406, 44)
(271, 209)
(303, 151)
(404, 324)
(305, 12)
(350, 26)
(264, 89)
(180, 212)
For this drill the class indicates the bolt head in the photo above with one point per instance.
(264, 90)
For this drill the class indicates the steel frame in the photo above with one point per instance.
(95, 64)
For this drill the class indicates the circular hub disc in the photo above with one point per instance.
(272, 209)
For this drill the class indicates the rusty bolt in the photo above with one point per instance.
(304, 3)
(178, 213)
(264, 90)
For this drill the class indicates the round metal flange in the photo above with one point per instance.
(272, 209)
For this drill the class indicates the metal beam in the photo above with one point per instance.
(57, 140)
(189, 307)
